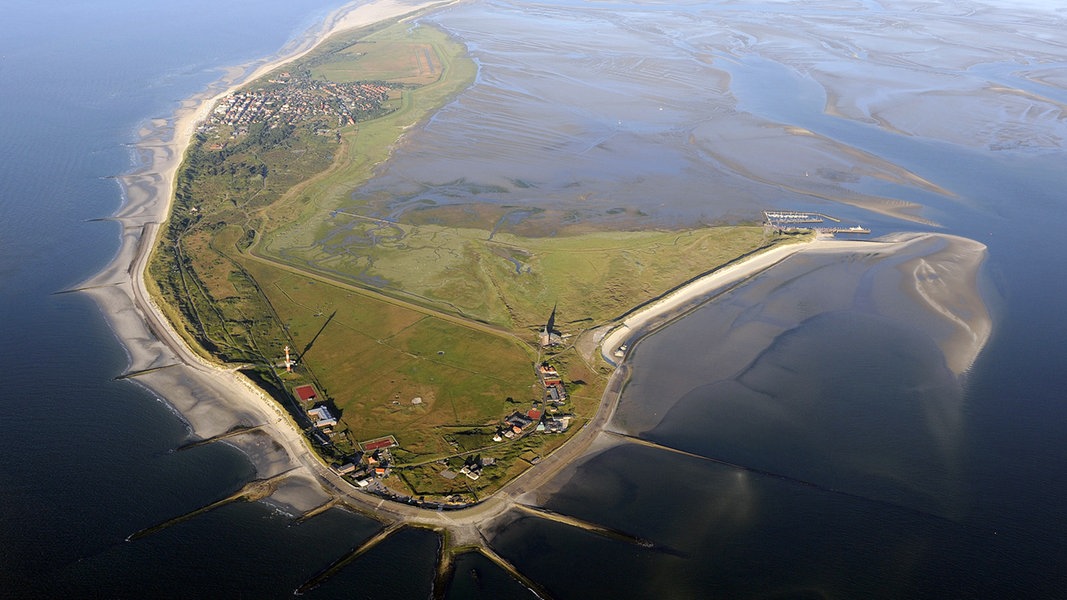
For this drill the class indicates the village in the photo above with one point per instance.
(370, 462)
(291, 100)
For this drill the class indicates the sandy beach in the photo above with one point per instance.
(652, 315)
(940, 276)
(215, 401)
(211, 400)
(869, 414)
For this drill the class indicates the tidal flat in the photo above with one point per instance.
(815, 355)
(846, 458)
(695, 112)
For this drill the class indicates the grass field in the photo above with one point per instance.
(297, 218)
(514, 281)
(389, 56)
(424, 329)
(372, 358)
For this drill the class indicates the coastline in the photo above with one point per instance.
(640, 322)
(759, 447)
(950, 293)
(216, 401)
(212, 400)
(938, 272)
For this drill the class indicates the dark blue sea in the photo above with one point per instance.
(88, 459)
(864, 472)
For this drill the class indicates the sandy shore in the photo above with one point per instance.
(212, 400)
(939, 272)
(652, 314)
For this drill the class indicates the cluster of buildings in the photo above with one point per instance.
(364, 466)
(516, 423)
(369, 464)
(555, 393)
(290, 101)
(472, 468)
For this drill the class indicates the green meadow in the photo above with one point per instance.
(429, 332)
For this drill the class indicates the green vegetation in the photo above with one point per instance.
(426, 329)
(373, 358)
(513, 281)
(298, 218)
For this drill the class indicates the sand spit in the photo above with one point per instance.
(941, 273)
(926, 280)
(216, 401)
(937, 271)
(213, 400)
(671, 305)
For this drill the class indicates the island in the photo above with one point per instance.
(429, 353)
(427, 364)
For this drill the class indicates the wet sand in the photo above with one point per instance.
(211, 399)
(214, 400)
(748, 362)
(712, 113)
(938, 271)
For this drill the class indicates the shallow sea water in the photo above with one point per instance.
(835, 455)
(844, 462)
(691, 111)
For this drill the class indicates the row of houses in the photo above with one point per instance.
(366, 467)
(533, 420)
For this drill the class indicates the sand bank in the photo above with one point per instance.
(798, 160)
(925, 281)
(696, 292)
(215, 401)
(212, 400)
(937, 271)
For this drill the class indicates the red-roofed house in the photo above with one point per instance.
(534, 414)
(306, 393)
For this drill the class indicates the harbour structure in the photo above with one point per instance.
(793, 220)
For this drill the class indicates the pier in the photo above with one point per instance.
(793, 217)
(793, 220)
(833, 230)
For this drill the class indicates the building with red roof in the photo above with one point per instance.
(306, 393)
